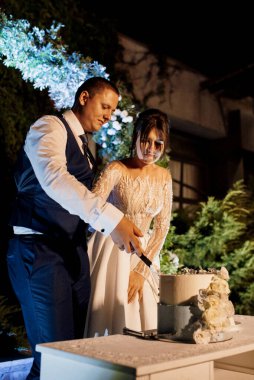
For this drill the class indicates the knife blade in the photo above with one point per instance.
(148, 262)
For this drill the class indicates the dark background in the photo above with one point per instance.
(214, 38)
(211, 37)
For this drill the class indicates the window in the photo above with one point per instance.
(189, 182)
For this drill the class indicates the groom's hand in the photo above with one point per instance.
(125, 236)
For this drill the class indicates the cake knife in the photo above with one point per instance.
(142, 257)
(148, 262)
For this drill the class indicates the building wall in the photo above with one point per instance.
(173, 88)
(209, 133)
(246, 108)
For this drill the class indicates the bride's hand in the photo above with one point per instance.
(136, 283)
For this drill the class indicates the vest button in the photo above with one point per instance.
(102, 230)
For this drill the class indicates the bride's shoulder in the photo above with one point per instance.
(164, 173)
(115, 165)
(124, 164)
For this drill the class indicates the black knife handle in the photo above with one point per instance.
(145, 260)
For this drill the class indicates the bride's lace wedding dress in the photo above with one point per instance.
(142, 199)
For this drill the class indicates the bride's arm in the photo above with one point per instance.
(125, 234)
(160, 229)
(108, 178)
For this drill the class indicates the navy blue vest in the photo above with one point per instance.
(34, 209)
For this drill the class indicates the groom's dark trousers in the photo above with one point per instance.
(55, 290)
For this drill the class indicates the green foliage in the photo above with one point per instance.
(168, 263)
(240, 264)
(20, 103)
(221, 234)
(206, 241)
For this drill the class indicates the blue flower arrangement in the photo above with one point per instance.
(43, 60)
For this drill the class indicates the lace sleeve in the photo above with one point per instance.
(161, 223)
(107, 180)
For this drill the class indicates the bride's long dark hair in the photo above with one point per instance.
(145, 122)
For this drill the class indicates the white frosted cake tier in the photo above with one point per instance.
(182, 289)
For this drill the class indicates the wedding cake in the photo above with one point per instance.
(195, 306)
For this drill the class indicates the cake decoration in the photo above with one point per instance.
(217, 309)
(194, 306)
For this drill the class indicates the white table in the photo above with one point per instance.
(123, 357)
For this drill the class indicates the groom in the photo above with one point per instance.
(47, 256)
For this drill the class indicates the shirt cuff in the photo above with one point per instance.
(106, 221)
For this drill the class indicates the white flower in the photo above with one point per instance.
(111, 132)
(43, 60)
(117, 112)
(212, 300)
(127, 119)
(228, 308)
(174, 259)
(202, 336)
(27, 49)
(124, 114)
(224, 273)
(116, 125)
(218, 285)
(217, 309)
(215, 318)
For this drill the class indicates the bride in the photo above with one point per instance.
(124, 292)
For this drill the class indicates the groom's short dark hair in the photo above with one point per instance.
(95, 85)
